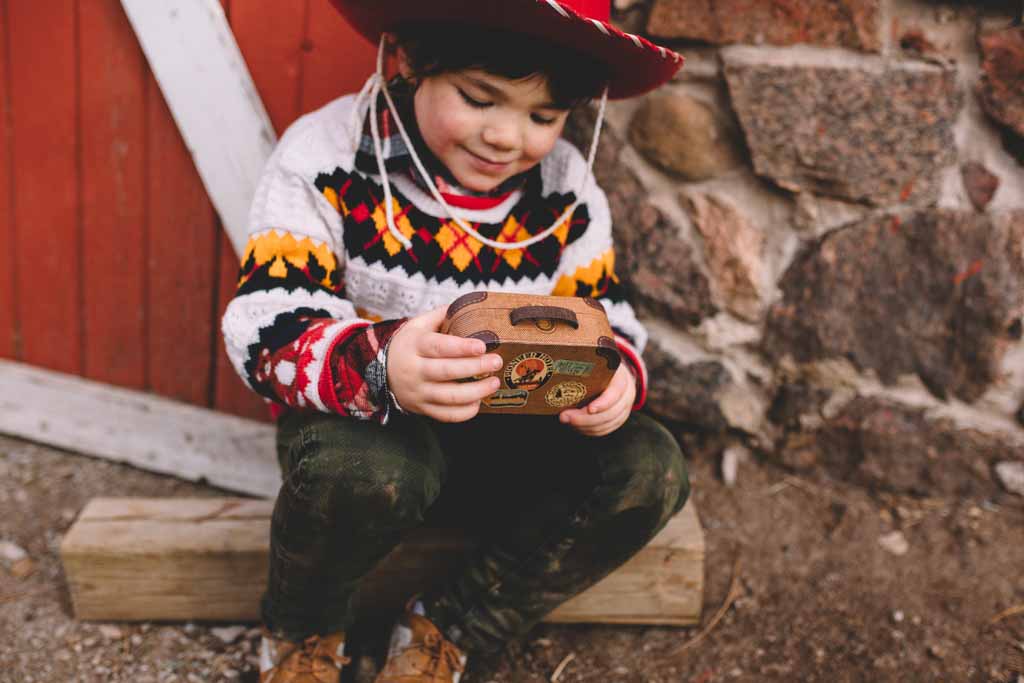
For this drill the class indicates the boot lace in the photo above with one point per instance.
(313, 650)
(441, 651)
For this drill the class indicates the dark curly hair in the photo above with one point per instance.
(434, 49)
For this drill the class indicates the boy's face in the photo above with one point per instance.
(485, 128)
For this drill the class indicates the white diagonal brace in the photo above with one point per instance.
(204, 79)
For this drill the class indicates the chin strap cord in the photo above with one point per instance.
(377, 84)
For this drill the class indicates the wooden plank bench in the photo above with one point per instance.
(139, 559)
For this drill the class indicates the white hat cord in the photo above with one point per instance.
(377, 84)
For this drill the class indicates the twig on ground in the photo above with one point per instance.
(1006, 614)
(804, 486)
(561, 667)
(775, 488)
(730, 597)
(820, 491)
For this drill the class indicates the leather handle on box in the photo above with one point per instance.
(522, 313)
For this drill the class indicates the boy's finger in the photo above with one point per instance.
(582, 417)
(579, 417)
(456, 394)
(437, 345)
(432, 319)
(448, 369)
(606, 400)
(591, 423)
(602, 423)
(452, 413)
(602, 430)
(609, 397)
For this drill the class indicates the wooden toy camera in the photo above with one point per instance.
(557, 352)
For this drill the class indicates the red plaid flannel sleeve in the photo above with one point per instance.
(352, 378)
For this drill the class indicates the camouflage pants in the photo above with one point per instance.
(556, 511)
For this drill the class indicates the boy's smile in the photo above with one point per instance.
(486, 128)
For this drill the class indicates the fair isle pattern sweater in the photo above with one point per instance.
(324, 285)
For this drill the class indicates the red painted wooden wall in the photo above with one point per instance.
(115, 266)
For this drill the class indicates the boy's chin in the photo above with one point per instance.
(481, 184)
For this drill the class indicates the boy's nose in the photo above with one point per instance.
(502, 136)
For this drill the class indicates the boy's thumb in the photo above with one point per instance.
(433, 319)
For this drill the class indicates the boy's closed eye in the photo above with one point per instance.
(473, 102)
(539, 119)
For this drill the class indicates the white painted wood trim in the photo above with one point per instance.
(196, 61)
(141, 429)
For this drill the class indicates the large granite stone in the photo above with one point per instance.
(733, 250)
(683, 136)
(1001, 89)
(937, 293)
(879, 135)
(661, 270)
(891, 447)
(657, 267)
(687, 392)
(845, 23)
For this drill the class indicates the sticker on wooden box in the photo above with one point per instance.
(565, 394)
(507, 398)
(576, 368)
(529, 371)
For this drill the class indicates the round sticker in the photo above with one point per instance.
(566, 394)
(529, 371)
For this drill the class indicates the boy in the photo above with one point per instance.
(372, 215)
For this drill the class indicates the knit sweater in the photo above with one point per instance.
(324, 285)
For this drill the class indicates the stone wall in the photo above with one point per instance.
(821, 220)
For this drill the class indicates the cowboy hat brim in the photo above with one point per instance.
(636, 65)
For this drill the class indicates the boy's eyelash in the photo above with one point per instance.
(540, 120)
(471, 102)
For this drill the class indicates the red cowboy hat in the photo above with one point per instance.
(637, 65)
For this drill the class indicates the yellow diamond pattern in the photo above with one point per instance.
(513, 232)
(462, 255)
(380, 220)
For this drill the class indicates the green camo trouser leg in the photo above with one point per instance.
(556, 512)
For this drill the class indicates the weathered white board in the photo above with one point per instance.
(201, 72)
(137, 428)
(143, 559)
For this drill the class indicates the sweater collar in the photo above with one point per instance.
(397, 158)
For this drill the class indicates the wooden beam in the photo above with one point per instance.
(131, 559)
(138, 428)
(196, 61)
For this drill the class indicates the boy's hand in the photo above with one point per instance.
(423, 365)
(609, 410)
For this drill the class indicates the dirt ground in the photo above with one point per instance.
(819, 597)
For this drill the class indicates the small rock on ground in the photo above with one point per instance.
(894, 542)
(1011, 476)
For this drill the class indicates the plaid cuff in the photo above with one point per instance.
(392, 403)
(357, 372)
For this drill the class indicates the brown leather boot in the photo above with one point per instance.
(317, 659)
(420, 654)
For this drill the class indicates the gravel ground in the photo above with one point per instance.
(832, 583)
